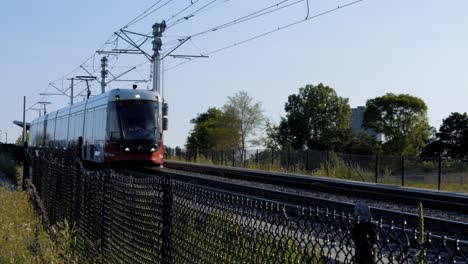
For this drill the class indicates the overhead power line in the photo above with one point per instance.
(147, 13)
(256, 14)
(308, 18)
(204, 9)
(181, 16)
(140, 15)
(185, 8)
(113, 39)
(187, 17)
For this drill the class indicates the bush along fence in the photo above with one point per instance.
(10, 155)
(434, 173)
(127, 217)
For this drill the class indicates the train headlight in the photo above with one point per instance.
(153, 149)
(127, 149)
(117, 98)
(137, 96)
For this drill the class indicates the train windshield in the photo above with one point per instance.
(138, 119)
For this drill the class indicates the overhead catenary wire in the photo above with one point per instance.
(184, 9)
(113, 39)
(200, 11)
(149, 13)
(279, 5)
(272, 31)
(256, 14)
(141, 14)
(189, 15)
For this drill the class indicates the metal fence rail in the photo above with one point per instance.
(125, 217)
(427, 172)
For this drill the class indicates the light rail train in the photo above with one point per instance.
(119, 126)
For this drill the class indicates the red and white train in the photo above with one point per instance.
(121, 125)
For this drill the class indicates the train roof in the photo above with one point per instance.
(102, 99)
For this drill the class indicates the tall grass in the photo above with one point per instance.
(23, 238)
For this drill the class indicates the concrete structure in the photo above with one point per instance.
(357, 119)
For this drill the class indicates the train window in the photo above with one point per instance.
(138, 119)
(113, 123)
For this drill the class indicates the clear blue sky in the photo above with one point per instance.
(417, 47)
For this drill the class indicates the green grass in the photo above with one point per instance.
(230, 241)
(23, 238)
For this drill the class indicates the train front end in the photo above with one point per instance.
(135, 123)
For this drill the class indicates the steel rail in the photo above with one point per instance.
(438, 226)
(452, 202)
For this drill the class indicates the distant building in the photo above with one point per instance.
(357, 119)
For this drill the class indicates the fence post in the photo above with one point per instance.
(440, 172)
(105, 186)
(25, 166)
(80, 148)
(222, 157)
(289, 158)
(402, 170)
(256, 158)
(363, 234)
(244, 158)
(272, 157)
(327, 153)
(307, 160)
(167, 220)
(233, 157)
(376, 168)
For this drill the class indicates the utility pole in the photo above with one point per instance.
(71, 91)
(24, 120)
(44, 105)
(158, 29)
(103, 74)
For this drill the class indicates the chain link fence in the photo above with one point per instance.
(423, 172)
(127, 217)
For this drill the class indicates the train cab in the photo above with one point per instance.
(135, 127)
(121, 126)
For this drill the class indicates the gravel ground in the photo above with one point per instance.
(341, 198)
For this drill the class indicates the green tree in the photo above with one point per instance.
(317, 118)
(245, 116)
(452, 138)
(211, 131)
(19, 140)
(402, 119)
(453, 133)
(277, 136)
(362, 144)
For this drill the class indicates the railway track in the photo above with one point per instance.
(452, 202)
(218, 177)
